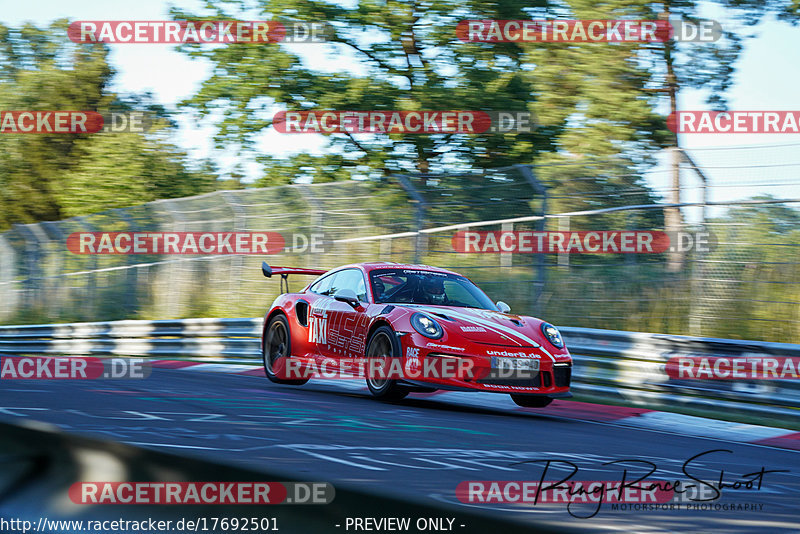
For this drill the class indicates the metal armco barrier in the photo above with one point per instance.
(610, 366)
(628, 368)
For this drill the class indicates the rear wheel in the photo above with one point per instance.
(531, 401)
(383, 346)
(277, 350)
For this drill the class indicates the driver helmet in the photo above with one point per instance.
(379, 289)
(434, 289)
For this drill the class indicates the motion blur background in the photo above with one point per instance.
(600, 159)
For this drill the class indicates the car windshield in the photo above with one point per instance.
(409, 286)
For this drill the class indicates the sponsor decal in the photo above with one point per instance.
(412, 360)
(473, 329)
(318, 329)
(444, 347)
(512, 354)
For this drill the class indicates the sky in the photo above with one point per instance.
(738, 165)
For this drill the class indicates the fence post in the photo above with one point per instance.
(8, 273)
(33, 265)
(54, 293)
(131, 273)
(316, 218)
(563, 257)
(539, 264)
(237, 261)
(422, 206)
(91, 280)
(174, 287)
(506, 258)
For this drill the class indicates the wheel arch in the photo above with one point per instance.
(272, 313)
(377, 324)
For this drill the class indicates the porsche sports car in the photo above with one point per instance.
(410, 328)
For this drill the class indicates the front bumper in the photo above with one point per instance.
(475, 370)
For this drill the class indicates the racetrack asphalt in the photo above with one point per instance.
(420, 448)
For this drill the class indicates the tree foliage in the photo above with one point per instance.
(50, 176)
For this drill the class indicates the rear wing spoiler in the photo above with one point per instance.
(286, 271)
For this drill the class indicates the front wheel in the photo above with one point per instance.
(276, 351)
(383, 345)
(531, 401)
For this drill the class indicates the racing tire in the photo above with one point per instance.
(530, 401)
(383, 344)
(277, 347)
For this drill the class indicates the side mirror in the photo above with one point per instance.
(348, 296)
(503, 307)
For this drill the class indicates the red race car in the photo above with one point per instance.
(410, 328)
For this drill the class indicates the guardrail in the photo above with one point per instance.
(611, 367)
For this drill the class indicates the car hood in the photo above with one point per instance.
(485, 326)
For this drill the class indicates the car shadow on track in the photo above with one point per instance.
(441, 402)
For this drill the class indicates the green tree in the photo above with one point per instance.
(51, 176)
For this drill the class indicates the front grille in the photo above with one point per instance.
(535, 381)
(547, 380)
(562, 374)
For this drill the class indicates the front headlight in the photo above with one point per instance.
(426, 326)
(553, 335)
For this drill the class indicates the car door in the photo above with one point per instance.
(338, 329)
